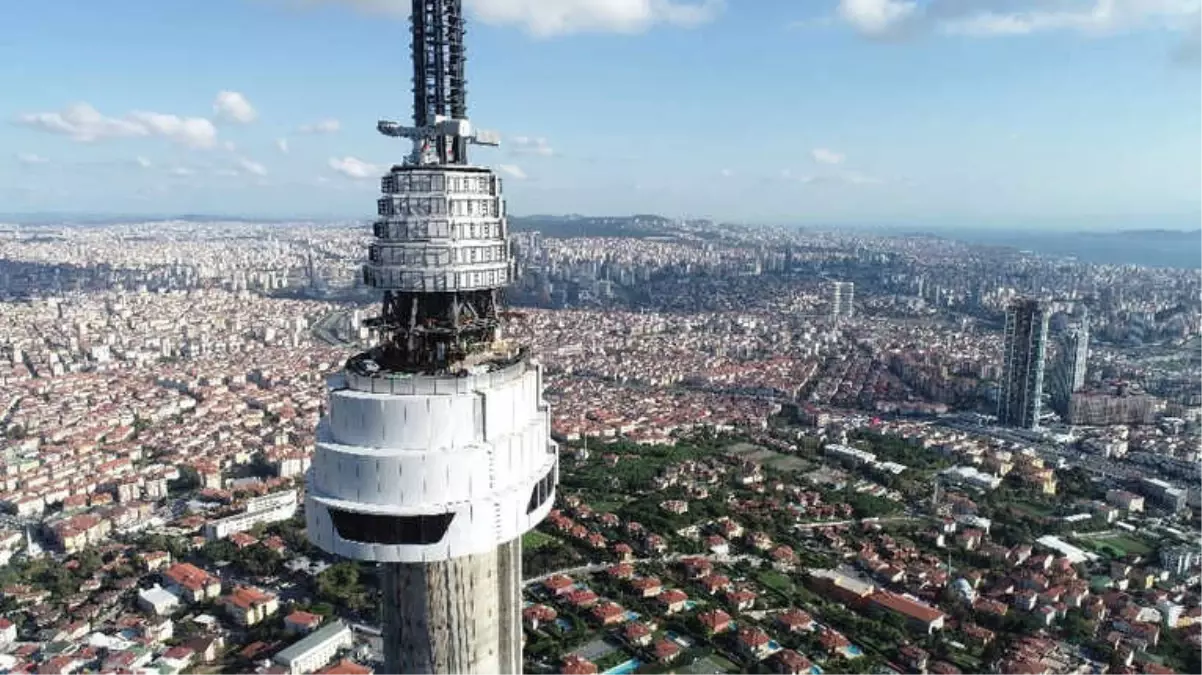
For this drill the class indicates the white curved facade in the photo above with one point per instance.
(421, 469)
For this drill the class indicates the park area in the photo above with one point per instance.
(1115, 545)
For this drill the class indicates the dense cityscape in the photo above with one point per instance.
(783, 450)
(449, 439)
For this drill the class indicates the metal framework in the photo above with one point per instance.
(439, 85)
(441, 254)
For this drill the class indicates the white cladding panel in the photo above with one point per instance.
(407, 479)
(473, 447)
(402, 422)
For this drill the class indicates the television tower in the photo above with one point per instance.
(435, 456)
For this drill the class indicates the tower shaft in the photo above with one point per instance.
(454, 616)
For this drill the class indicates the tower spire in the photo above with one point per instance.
(441, 131)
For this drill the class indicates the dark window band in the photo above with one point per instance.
(391, 530)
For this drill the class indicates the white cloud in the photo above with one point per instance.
(524, 145)
(726, 173)
(142, 162)
(195, 132)
(545, 18)
(82, 122)
(29, 158)
(825, 156)
(513, 171)
(282, 144)
(990, 18)
(354, 167)
(876, 17)
(327, 126)
(181, 171)
(229, 173)
(251, 166)
(232, 106)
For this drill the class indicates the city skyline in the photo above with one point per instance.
(872, 111)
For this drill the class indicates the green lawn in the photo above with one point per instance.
(776, 581)
(534, 540)
(1124, 544)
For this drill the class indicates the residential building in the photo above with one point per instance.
(316, 649)
(248, 606)
(272, 508)
(191, 583)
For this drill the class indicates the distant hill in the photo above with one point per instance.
(593, 226)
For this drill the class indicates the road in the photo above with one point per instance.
(861, 521)
(1093, 463)
(323, 328)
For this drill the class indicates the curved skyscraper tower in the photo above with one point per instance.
(435, 455)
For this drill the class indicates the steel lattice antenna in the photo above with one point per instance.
(441, 131)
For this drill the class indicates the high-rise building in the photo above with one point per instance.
(435, 455)
(1023, 353)
(1068, 373)
(843, 294)
(1178, 559)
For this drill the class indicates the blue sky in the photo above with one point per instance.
(977, 113)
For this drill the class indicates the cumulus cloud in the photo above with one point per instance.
(142, 162)
(82, 122)
(232, 106)
(877, 17)
(825, 156)
(327, 126)
(989, 18)
(512, 170)
(353, 167)
(181, 171)
(726, 173)
(282, 145)
(251, 166)
(546, 18)
(524, 145)
(28, 158)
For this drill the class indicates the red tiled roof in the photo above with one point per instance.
(905, 606)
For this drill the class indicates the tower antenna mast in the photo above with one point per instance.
(441, 131)
(434, 456)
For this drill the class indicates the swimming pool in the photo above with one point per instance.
(625, 668)
(852, 651)
(815, 670)
(774, 645)
(678, 639)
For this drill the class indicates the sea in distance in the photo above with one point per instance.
(1148, 248)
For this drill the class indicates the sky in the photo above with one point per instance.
(963, 113)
